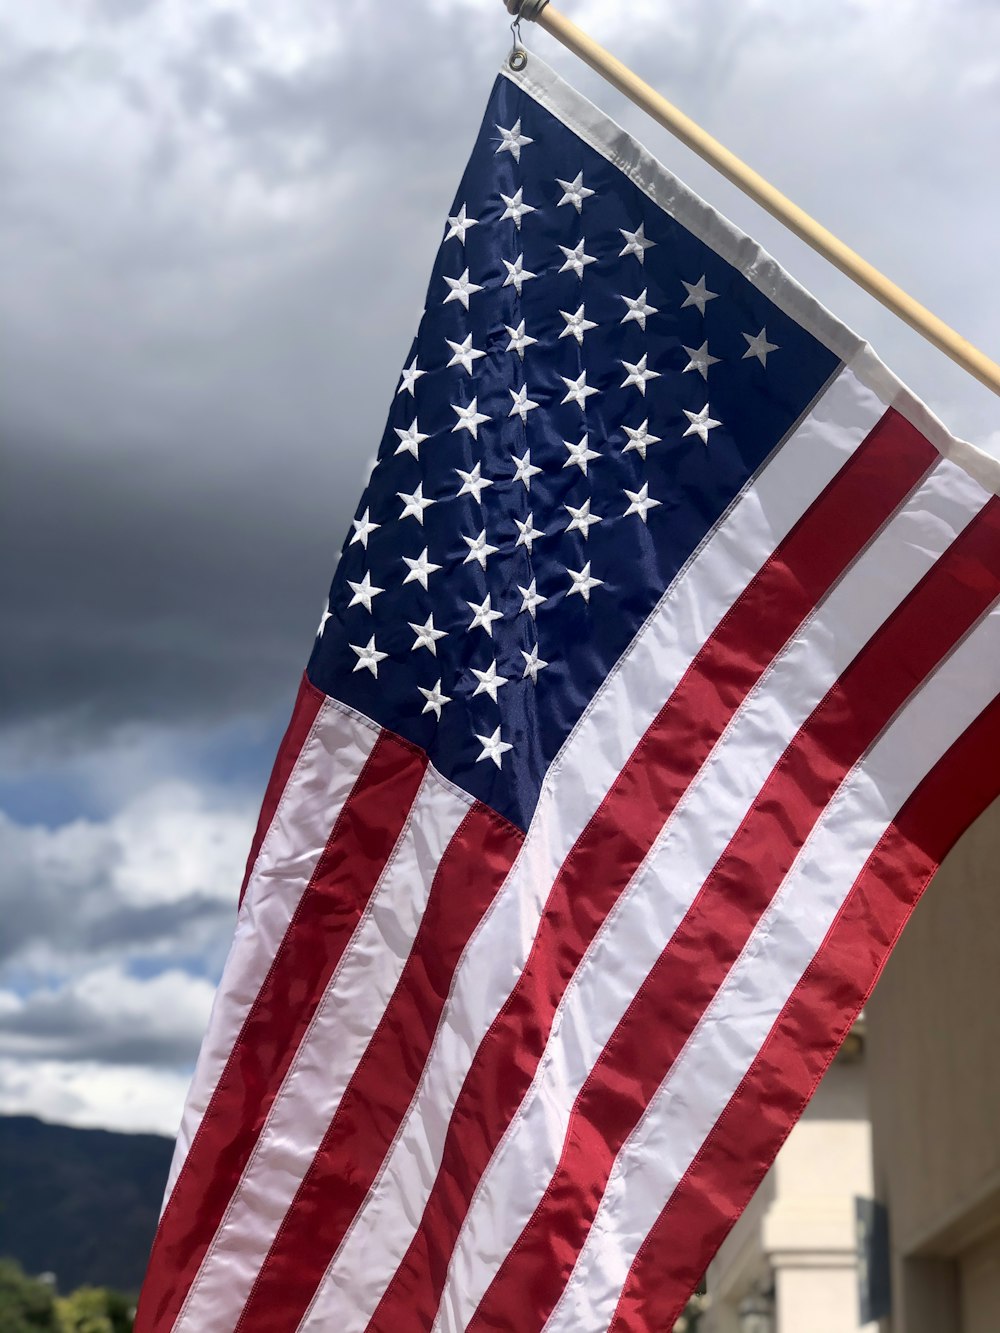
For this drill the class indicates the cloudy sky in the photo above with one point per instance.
(218, 221)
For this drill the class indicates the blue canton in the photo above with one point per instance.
(590, 387)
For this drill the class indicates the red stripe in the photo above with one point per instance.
(308, 702)
(609, 851)
(347, 872)
(672, 999)
(809, 1030)
(471, 871)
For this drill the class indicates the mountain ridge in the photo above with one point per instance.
(80, 1203)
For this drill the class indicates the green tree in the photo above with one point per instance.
(26, 1305)
(94, 1310)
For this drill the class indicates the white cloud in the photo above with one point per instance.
(106, 1013)
(147, 878)
(93, 1095)
(204, 193)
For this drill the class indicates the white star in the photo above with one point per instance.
(469, 418)
(420, 569)
(364, 592)
(638, 374)
(464, 354)
(363, 528)
(460, 224)
(516, 273)
(516, 207)
(525, 469)
(532, 664)
(479, 549)
(576, 259)
(409, 378)
(638, 309)
(759, 347)
(368, 656)
(522, 403)
(526, 533)
(576, 325)
(697, 294)
(410, 440)
(461, 289)
(327, 613)
(641, 502)
(583, 582)
(489, 681)
(577, 390)
(472, 483)
(493, 747)
(483, 615)
(701, 423)
(583, 520)
(435, 699)
(415, 504)
(574, 192)
(635, 243)
(530, 599)
(427, 635)
(580, 454)
(513, 140)
(701, 359)
(519, 340)
(640, 438)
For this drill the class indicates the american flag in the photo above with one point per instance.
(659, 672)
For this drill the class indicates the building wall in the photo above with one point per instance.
(797, 1236)
(934, 1086)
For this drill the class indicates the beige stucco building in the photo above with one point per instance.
(794, 1248)
(934, 1076)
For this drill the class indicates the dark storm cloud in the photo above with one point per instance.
(189, 418)
(209, 290)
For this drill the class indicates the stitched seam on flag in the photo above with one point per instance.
(669, 193)
(546, 791)
(269, 836)
(320, 864)
(919, 885)
(870, 440)
(836, 1038)
(310, 744)
(318, 696)
(759, 938)
(325, 1001)
(672, 590)
(748, 257)
(837, 1035)
(324, 859)
(574, 852)
(504, 826)
(711, 760)
(265, 844)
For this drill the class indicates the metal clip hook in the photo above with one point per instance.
(518, 57)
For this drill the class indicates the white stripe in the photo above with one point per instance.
(329, 764)
(328, 1056)
(575, 785)
(733, 1028)
(690, 843)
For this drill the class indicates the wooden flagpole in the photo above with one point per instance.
(935, 330)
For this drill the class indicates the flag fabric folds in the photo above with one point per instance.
(660, 670)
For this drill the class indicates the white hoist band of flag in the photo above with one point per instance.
(660, 670)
